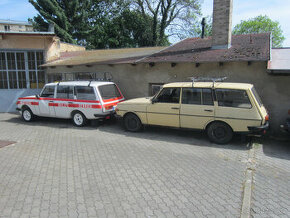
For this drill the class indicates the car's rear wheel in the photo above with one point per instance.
(220, 133)
(132, 123)
(27, 114)
(79, 119)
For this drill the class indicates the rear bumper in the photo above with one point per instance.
(259, 129)
(286, 127)
(105, 116)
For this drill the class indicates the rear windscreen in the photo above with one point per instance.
(109, 91)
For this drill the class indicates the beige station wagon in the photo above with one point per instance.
(219, 108)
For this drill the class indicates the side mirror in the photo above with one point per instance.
(37, 96)
(153, 100)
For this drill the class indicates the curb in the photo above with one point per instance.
(247, 190)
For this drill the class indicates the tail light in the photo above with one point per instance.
(289, 112)
(108, 107)
(267, 117)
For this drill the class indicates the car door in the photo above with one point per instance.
(62, 102)
(46, 101)
(164, 110)
(197, 107)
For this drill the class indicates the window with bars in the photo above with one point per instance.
(21, 70)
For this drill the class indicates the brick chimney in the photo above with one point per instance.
(222, 24)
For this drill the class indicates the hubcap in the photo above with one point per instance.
(219, 132)
(27, 115)
(78, 119)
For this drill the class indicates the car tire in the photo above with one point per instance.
(220, 133)
(27, 114)
(79, 119)
(132, 123)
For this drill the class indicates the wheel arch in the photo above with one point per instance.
(217, 121)
(130, 112)
(77, 111)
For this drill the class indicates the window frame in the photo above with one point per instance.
(54, 92)
(18, 63)
(67, 86)
(217, 100)
(201, 96)
(159, 93)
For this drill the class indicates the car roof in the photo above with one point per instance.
(221, 85)
(81, 83)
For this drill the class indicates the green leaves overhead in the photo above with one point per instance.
(115, 23)
(261, 24)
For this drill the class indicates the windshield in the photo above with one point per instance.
(257, 97)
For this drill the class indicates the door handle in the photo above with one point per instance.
(70, 103)
(175, 108)
(208, 110)
(51, 101)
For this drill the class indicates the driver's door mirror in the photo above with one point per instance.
(37, 96)
(153, 100)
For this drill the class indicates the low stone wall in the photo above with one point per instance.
(8, 98)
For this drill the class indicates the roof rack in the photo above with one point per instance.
(207, 79)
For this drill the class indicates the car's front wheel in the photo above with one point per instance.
(132, 123)
(27, 115)
(79, 119)
(220, 133)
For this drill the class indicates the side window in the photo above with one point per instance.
(65, 92)
(48, 92)
(169, 95)
(191, 96)
(197, 96)
(85, 93)
(207, 97)
(233, 98)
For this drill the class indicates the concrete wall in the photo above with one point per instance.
(50, 44)
(8, 98)
(16, 28)
(134, 80)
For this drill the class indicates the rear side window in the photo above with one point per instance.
(197, 96)
(85, 93)
(257, 97)
(109, 91)
(48, 92)
(233, 98)
(64, 92)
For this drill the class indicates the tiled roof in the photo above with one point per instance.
(252, 47)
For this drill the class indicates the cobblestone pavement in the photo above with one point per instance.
(58, 170)
(271, 190)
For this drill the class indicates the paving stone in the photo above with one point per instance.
(87, 172)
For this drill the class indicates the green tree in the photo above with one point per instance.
(168, 16)
(261, 24)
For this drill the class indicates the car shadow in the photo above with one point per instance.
(196, 138)
(54, 123)
(183, 136)
(276, 148)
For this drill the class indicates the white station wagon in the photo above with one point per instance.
(76, 100)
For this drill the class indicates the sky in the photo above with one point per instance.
(277, 10)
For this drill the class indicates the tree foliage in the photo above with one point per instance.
(116, 23)
(171, 16)
(261, 24)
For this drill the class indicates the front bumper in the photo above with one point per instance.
(286, 127)
(259, 129)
